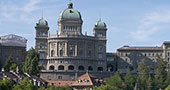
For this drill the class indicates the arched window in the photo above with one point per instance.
(61, 52)
(71, 67)
(110, 68)
(52, 53)
(81, 68)
(100, 69)
(90, 68)
(51, 67)
(61, 67)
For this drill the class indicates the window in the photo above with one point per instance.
(71, 67)
(100, 48)
(100, 34)
(110, 59)
(61, 52)
(100, 56)
(168, 54)
(110, 68)
(81, 68)
(145, 54)
(71, 52)
(52, 53)
(100, 69)
(42, 45)
(90, 68)
(80, 52)
(89, 53)
(61, 67)
(70, 28)
(51, 67)
(60, 77)
(42, 55)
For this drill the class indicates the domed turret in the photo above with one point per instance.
(100, 24)
(70, 22)
(42, 23)
(70, 13)
(100, 29)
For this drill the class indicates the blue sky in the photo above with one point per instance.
(129, 22)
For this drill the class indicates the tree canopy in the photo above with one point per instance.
(31, 63)
(8, 64)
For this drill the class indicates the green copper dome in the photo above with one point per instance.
(70, 13)
(42, 22)
(100, 24)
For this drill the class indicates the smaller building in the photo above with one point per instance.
(14, 46)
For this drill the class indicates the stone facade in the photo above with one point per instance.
(70, 53)
(131, 56)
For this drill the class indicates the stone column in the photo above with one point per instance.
(76, 49)
(66, 48)
(57, 49)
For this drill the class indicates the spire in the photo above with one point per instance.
(42, 14)
(70, 5)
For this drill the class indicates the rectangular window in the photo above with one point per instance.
(100, 56)
(60, 77)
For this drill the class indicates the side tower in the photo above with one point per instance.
(41, 38)
(99, 32)
(70, 22)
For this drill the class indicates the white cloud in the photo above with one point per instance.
(13, 12)
(31, 5)
(151, 24)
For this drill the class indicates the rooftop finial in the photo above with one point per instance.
(70, 4)
(42, 13)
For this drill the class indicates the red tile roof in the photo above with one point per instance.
(88, 80)
(84, 80)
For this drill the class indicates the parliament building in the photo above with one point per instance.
(69, 53)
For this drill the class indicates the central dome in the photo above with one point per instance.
(70, 13)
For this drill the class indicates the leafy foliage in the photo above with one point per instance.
(58, 88)
(13, 67)
(161, 73)
(24, 85)
(8, 63)
(129, 80)
(5, 85)
(105, 87)
(168, 88)
(31, 63)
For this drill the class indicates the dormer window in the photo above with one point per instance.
(70, 28)
(100, 34)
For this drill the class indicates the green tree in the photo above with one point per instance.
(41, 88)
(160, 74)
(149, 83)
(5, 85)
(115, 81)
(143, 75)
(167, 88)
(58, 88)
(129, 80)
(13, 67)
(167, 81)
(31, 63)
(105, 87)
(8, 63)
(24, 85)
